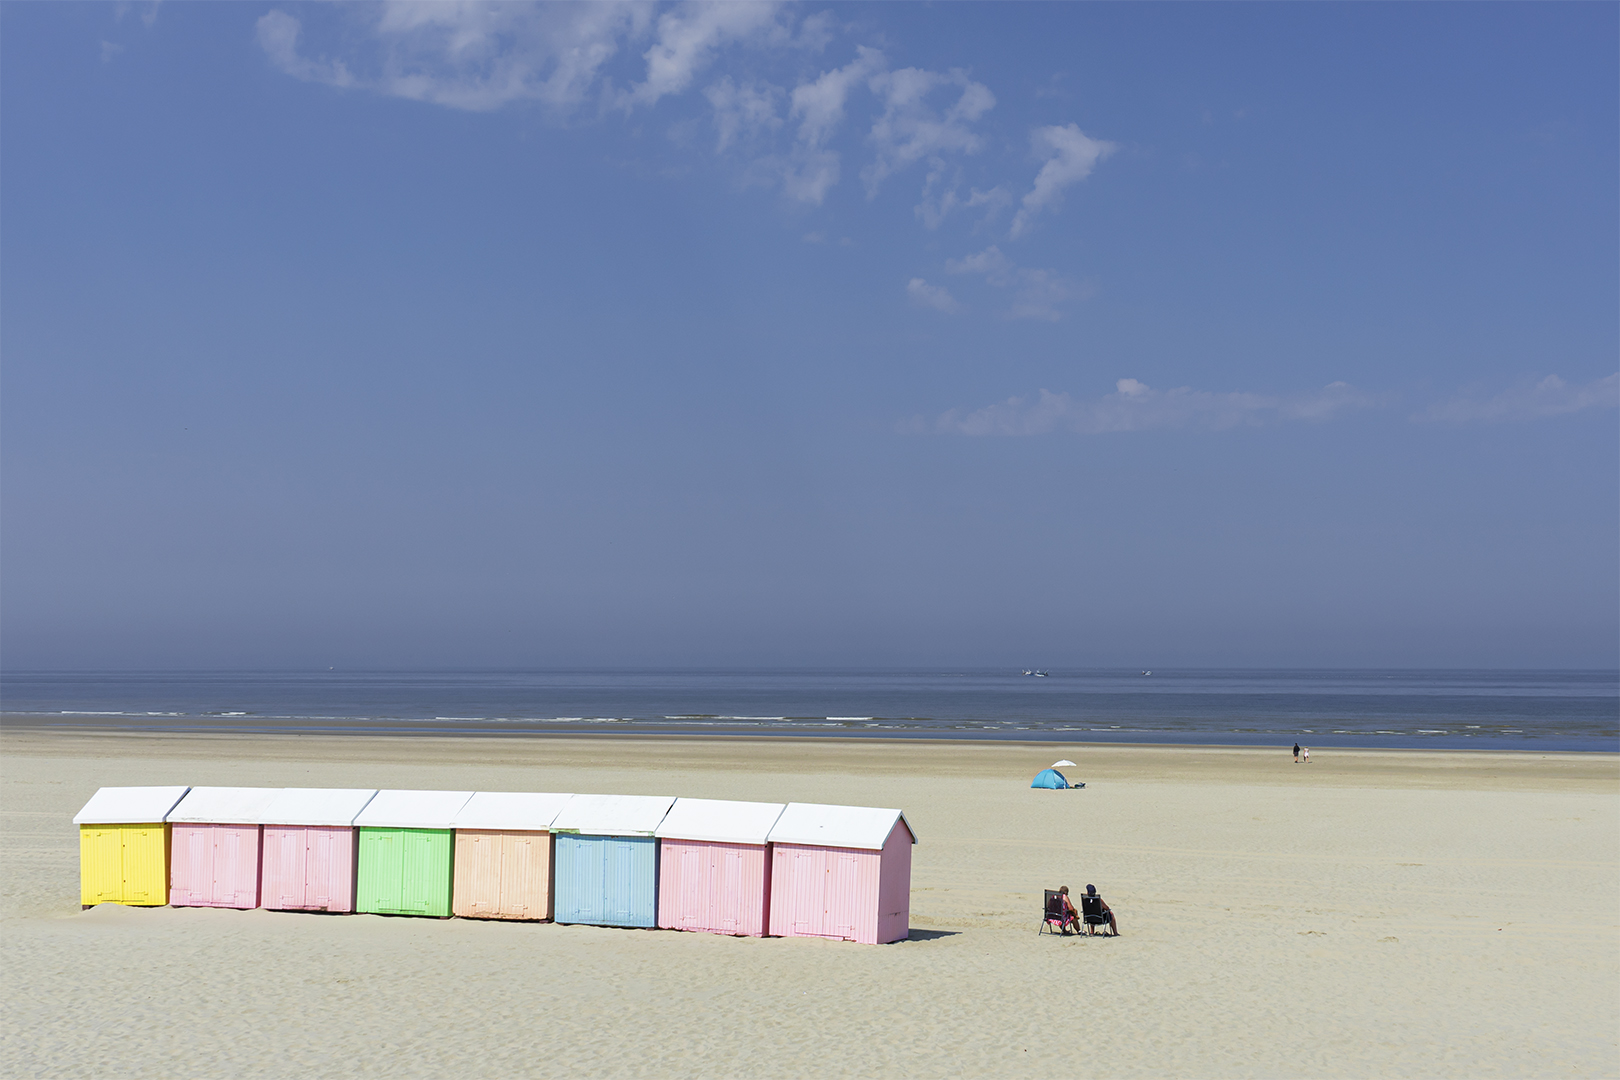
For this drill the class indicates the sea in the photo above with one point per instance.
(1398, 708)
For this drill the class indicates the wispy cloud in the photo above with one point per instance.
(1134, 406)
(600, 58)
(688, 38)
(476, 57)
(942, 197)
(742, 111)
(911, 128)
(1036, 293)
(1551, 396)
(278, 36)
(811, 168)
(1070, 156)
(931, 296)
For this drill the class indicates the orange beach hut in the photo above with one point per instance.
(503, 855)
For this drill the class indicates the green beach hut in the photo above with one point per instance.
(407, 852)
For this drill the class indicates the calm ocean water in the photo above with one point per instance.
(1528, 710)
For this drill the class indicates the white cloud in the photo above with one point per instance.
(278, 37)
(816, 32)
(110, 49)
(910, 129)
(989, 262)
(1070, 156)
(931, 296)
(1551, 396)
(811, 168)
(746, 110)
(639, 53)
(939, 201)
(476, 57)
(688, 38)
(1036, 294)
(1135, 406)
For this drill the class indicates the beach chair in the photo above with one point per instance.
(1055, 920)
(1092, 913)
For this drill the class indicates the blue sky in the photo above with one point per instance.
(1066, 335)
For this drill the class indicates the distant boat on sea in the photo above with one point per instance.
(1147, 672)
(1037, 674)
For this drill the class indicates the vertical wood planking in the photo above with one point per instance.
(712, 887)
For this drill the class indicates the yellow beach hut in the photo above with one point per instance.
(124, 845)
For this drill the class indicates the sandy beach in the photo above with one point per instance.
(1371, 914)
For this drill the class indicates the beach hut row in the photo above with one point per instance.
(708, 865)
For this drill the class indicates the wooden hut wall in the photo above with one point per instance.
(309, 868)
(213, 865)
(124, 864)
(713, 888)
(502, 874)
(404, 872)
(606, 880)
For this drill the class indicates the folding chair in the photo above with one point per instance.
(1054, 915)
(1092, 913)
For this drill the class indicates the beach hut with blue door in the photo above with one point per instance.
(406, 853)
(606, 859)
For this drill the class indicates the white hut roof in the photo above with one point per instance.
(224, 805)
(129, 805)
(316, 806)
(720, 821)
(837, 826)
(613, 815)
(516, 810)
(396, 809)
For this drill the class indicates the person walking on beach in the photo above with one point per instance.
(1296, 753)
(1306, 751)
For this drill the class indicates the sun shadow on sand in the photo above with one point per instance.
(928, 935)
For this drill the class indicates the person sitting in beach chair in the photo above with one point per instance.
(1060, 913)
(1094, 912)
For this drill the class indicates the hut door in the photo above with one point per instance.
(227, 854)
(284, 864)
(486, 873)
(697, 891)
(317, 867)
(618, 881)
(517, 863)
(417, 858)
(385, 868)
(146, 879)
(809, 893)
(843, 871)
(102, 857)
(193, 864)
(725, 889)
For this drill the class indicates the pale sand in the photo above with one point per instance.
(1371, 914)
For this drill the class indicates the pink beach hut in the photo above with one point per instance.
(841, 872)
(714, 871)
(309, 848)
(214, 857)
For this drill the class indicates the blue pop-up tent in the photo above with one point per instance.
(1049, 778)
